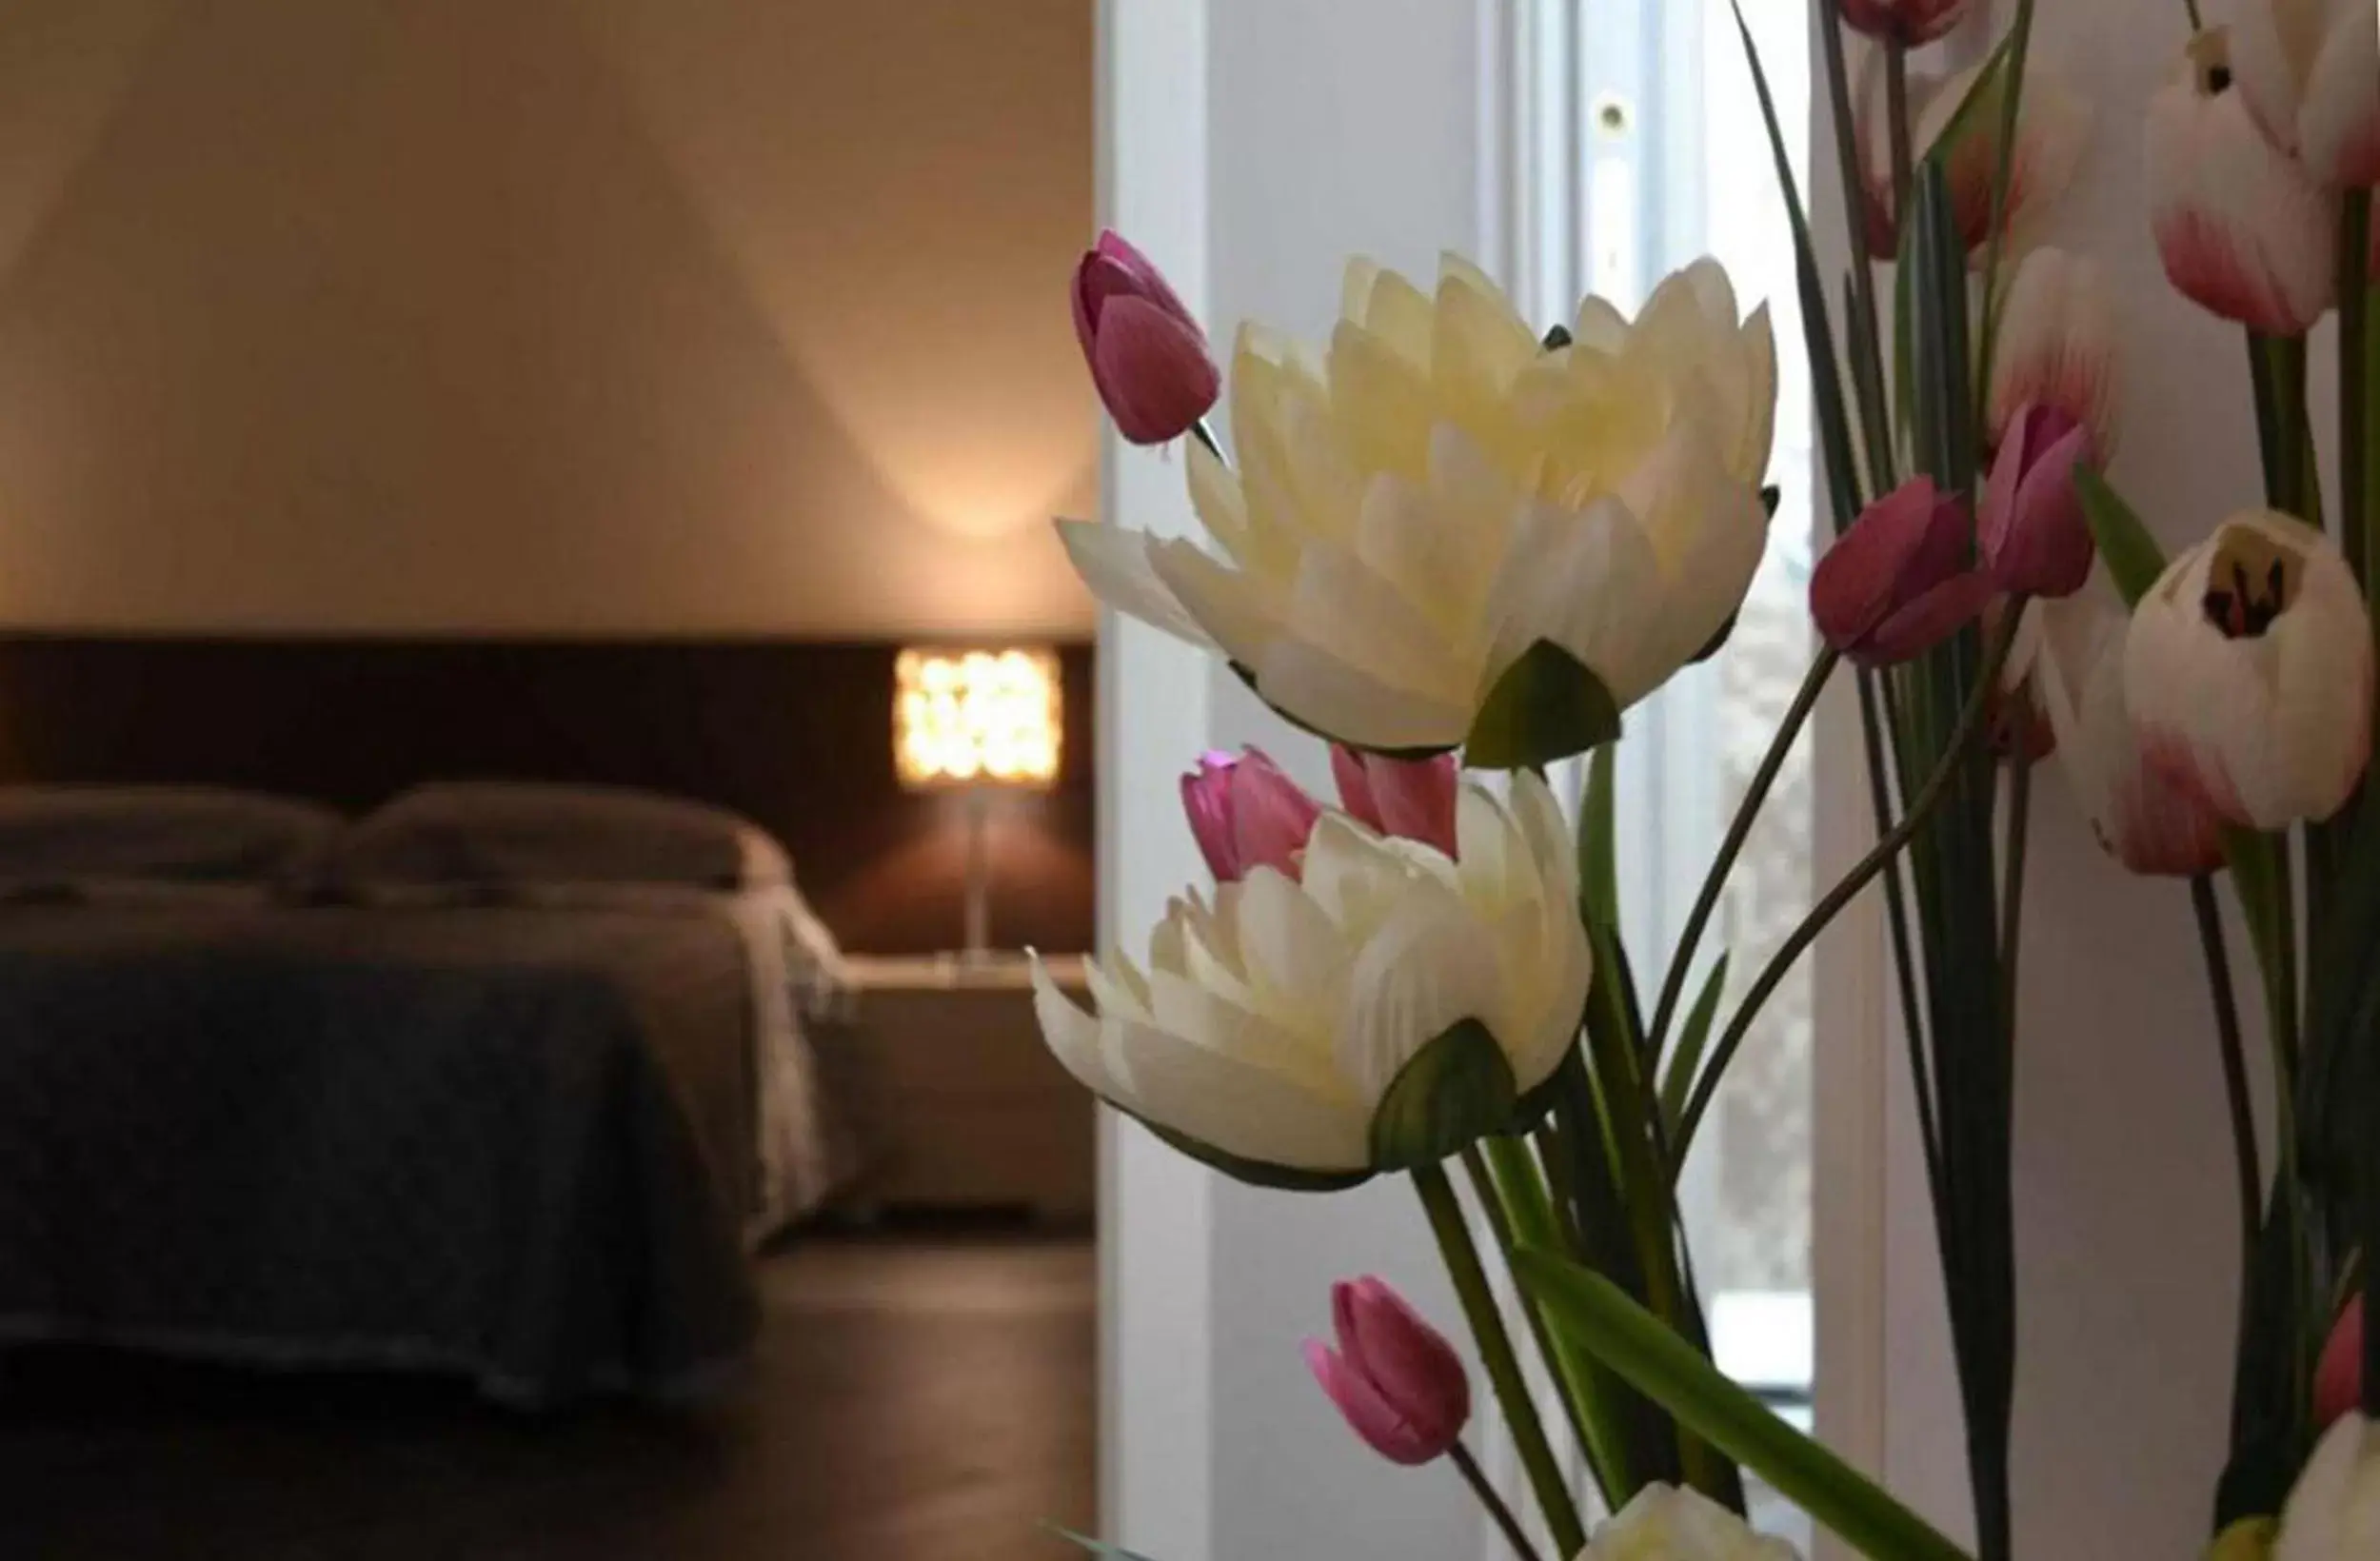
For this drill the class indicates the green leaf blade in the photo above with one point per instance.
(1671, 1372)
(1692, 1038)
(2134, 559)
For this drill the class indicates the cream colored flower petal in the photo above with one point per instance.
(1353, 876)
(1346, 702)
(2334, 1511)
(1075, 1038)
(1599, 327)
(1430, 966)
(1342, 606)
(1242, 1110)
(1552, 846)
(1114, 562)
(1390, 307)
(1120, 992)
(1382, 404)
(1589, 582)
(1707, 529)
(1223, 510)
(1240, 614)
(1229, 1024)
(2263, 64)
(1298, 962)
(1428, 558)
(1748, 459)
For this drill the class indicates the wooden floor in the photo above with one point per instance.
(914, 1400)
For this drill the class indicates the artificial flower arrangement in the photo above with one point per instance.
(1449, 544)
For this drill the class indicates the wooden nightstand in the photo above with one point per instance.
(965, 1107)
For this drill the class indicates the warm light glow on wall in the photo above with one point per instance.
(976, 717)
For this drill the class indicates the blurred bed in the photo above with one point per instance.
(501, 1080)
(305, 1060)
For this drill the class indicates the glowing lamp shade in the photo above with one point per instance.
(973, 718)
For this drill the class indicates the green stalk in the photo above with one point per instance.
(1493, 1499)
(2019, 49)
(1519, 1214)
(2356, 521)
(1867, 340)
(1899, 130)
(1738, 830)
(1921, 806)
(1438, 1200)
(2012, 899)
(2234, 1071)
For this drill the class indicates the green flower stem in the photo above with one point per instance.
(1738, 830)
(1921, 806)
(1866, 346)
(2235, 1069)
(1520, 1216)
(1897, 120)
(2012, 94)
(2012, 897)
(1494, 1501)
(2355, 522)
(1438, 1200)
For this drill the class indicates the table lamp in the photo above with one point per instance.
(976, 721)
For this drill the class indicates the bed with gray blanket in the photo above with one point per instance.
(519, 1124)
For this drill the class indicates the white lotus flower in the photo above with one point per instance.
(2242, 227)
(2310, 71)
(1674, 1523)
(1274, 1033)
(2333, 1514)
(1414, 514)
(2141, 817)
(2056, 347)
(2249, 668)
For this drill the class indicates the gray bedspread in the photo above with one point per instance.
(512, 1143)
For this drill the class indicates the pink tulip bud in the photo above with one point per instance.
(1246, 813)
(1412, 799)
(2339, 1377)
(1146, 354)
(1395, 1378)
(1901, 580)
(1907, 23)
(2032, 536)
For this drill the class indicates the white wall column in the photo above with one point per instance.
(1252, 145)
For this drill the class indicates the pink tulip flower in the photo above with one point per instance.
(2339, 1377)
(1907, 23)
(1147, 355)
(1395, 1378)
(1246, 813)
(1411, 798)
(2032, 536)
(1901, 580)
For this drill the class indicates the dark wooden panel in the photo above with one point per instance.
(794, 735)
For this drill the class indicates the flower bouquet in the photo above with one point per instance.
(1461, 551)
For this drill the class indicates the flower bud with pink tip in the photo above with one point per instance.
(1398, 1382)
(1245, 813)
(1145, 351)
(2032, 535)
(1411, 798)
(1901, 580)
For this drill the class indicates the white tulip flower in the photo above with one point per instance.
(2249, 668)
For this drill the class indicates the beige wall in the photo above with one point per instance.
(542, 315)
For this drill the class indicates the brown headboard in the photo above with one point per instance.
(794, 735)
